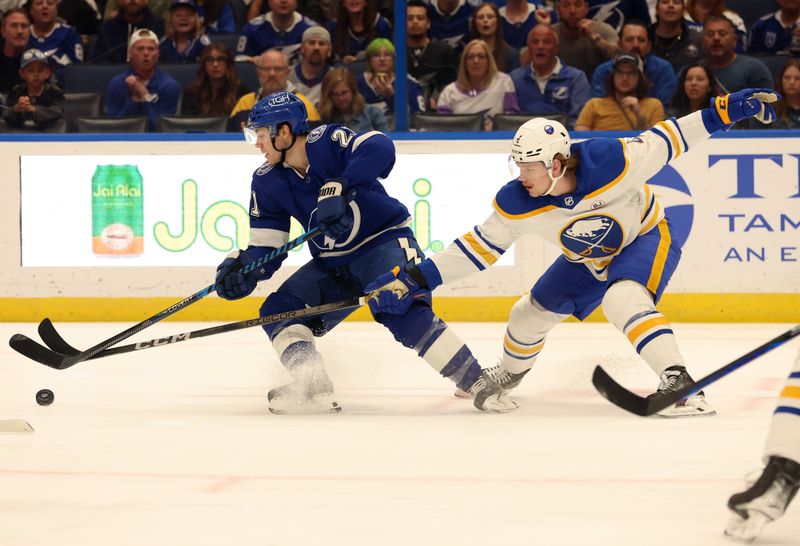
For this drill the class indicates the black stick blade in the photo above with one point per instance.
(617, 394)
(51, 338)
(35, 351)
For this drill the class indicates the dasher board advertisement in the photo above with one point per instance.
(191, 210)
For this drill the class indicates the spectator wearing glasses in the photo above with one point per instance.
(184, 40)
(216, 89)
(340, 102)
(480, 87)
(626, 106)
(143, 89)
(273, 76)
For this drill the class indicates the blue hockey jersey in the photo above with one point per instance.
(279, 192)
(260, 34)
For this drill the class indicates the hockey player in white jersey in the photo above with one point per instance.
(768, 497)
(591, 199)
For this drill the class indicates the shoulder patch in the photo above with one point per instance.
(316, 133)
(264, 168)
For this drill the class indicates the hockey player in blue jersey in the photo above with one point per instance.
(329, 177)
(592, 200)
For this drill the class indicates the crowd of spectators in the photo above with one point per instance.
(594, 64)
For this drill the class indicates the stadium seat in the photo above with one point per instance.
(424, 121)
(58, 126)
(137, 124)
(80, 105)
(192, 124)
(230, 41)
(511, 122)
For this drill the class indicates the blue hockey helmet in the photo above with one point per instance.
(277, 108)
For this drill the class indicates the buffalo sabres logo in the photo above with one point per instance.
(594, 236)
(549, 129)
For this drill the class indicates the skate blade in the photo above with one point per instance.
(677, 413)
(747, 530)
(15, 426)
(461, 394)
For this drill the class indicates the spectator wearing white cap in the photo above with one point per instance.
(315, 52)
(115, 33)
(143, 89)
(184, 39)
(37, 103)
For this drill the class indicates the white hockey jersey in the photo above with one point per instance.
(611, 206)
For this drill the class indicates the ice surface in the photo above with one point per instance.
(174, 446)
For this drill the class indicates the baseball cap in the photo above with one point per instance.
(631, 59)
(318, 33)
(189, 3)
(142, 34)
(33, 55)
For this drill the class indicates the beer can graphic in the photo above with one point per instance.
(117, 211)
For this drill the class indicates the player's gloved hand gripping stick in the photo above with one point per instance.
(38, 352)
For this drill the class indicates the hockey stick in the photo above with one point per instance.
(53, 340)
(38, 352)
(625, 399)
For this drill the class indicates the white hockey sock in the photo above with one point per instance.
(528, 325)
(783, 439)
(629, 306)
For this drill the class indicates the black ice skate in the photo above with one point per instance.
(487, 395)
(501, 376)
(765, 501)
(672, 379)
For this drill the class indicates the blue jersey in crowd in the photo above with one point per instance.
(416, 100)
(516, 34)
(164, 93)
(565, 92)
(451, 28)
(260, 34)
(225, 23)
(168, 50)
(279, 192)
(616, 12)
(62, 44)
(768, 35)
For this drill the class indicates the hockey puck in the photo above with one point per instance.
(45, 397)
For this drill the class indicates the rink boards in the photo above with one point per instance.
(735, 200)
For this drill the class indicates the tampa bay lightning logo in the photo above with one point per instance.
(593, 236)
(315, 133)
(325, 243)
(673, 193)
(549, 129)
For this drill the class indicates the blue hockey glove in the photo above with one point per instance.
(333, 213)
(747, 103)
(395, 291)
(232, 284)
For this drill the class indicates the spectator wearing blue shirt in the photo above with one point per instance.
(143, 89)
(635, 39)
(519, 18)
(357, 24)
(733, 70)
(217, 16)
(616, 13)
(774, 31)
(450, 21)
(60, 42)
(282, 29)
(184, 40)
(547, 86)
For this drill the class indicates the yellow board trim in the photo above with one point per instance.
(733, 307)
(790, 392)
(487, 256)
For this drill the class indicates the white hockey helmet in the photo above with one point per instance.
(541, 139)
